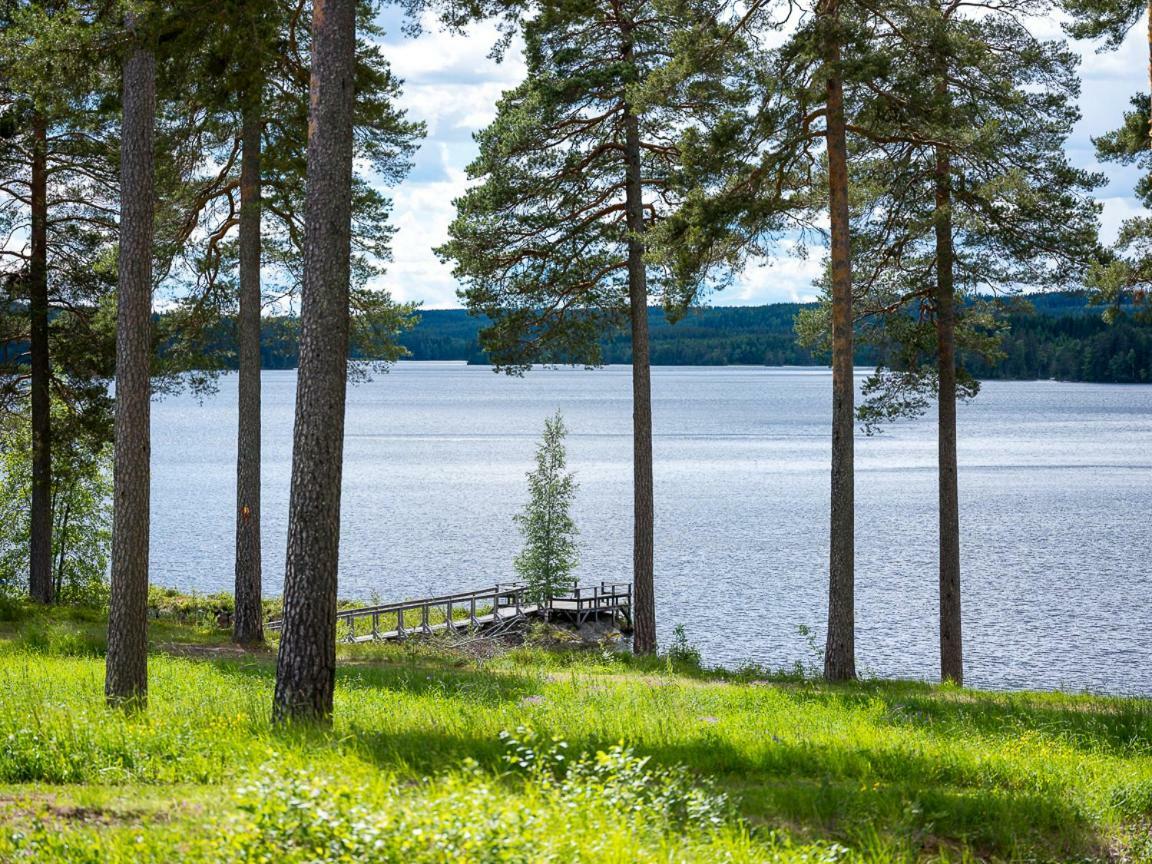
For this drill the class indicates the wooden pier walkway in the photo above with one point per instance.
(489, 610)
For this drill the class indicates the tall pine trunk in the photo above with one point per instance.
(127, 656)
(643, 507)
(840, 648)
(40, 542)
(951, 645)
(248, 624)
(306, 665)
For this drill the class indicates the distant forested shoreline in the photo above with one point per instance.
(1061, 336)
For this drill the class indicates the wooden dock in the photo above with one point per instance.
(486, 610)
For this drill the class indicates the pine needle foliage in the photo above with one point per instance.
(541, 243)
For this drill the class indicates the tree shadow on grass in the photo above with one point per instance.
(492, 688)
(418, 677)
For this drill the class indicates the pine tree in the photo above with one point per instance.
(248, 623)
(57, 185)
(582, 158)
(245, 101)
(306, 663)
(787, 167)
(1123, 276)
(1004, 206)
(126, 680)
(840, 647)
(962, 186)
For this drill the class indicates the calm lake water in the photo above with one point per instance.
(1055, 479)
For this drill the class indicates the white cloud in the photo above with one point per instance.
(1126, 66)
(422, 212)
(452, 85)
(1116, 210)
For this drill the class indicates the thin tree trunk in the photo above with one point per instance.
(1148, 11)
(643, 508)
(248, 626)
(62, 543)
(127, 656)
(951, 646)
(306, 665)
(840, 649)
(40, 543)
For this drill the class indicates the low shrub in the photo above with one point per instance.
(59, 639)
(610, 805)
(193, 608)
(682, 655)
(11, 608)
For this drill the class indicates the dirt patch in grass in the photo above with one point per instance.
(25, 809)
(201, 651)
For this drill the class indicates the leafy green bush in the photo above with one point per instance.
(607, 806)
(81, 513)
(188, 608)
(11, 609)
(617, 778)
(61, 639)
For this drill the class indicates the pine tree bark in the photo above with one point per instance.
(40, 541)
(248, 622)
(951, 645)
(643, 505)
(840, 647)
(306, 665)
(126, 678)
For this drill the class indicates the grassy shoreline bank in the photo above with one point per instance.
(432, 744)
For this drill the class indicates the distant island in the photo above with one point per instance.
(1062, 336)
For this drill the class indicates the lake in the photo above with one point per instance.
(1055, 485)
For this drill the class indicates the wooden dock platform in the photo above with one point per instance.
(484, 610)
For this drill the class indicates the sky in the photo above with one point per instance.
(452, 85)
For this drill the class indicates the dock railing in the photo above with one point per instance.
(586, 600)
(478, 609)
(431, 614)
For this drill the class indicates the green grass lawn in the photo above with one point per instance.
(434, 757)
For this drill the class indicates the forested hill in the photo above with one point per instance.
(711, 336)
(1061, 338)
